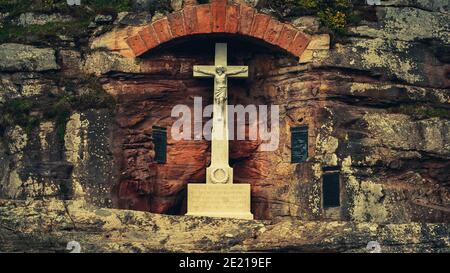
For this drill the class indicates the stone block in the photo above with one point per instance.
(286, 37)
(299, 44)
(149, 37)
(232, 22)
(220, 201)
(246, 20)
(273, 31)
(137, 45)
(190, 19)
(204, 18)
(219, 13)
(162, 29)
(260, 24)
(176, 22)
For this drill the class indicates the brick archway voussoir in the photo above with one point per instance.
(219, 17)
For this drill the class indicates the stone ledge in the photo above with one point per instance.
(47, 226)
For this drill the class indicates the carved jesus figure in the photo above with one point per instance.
(221, 87)
(221, 75)
(219, 172)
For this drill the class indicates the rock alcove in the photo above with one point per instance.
(146, 101)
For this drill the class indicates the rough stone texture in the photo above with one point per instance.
(429, 5)
(177, 4)
(49, 226)
(29, 18)
(309, 24)
(422, 25)
(24, 176)
(87, 142)
(399, 132)
(100, 63)
(70, 62)
(38, 164)
(405, 44)
(410, 63)
(24, 85)
(17, 57)
(133, 19)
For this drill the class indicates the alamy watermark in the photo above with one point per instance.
(252, 123)
(74, 247)
(74, 2)
(373, 247)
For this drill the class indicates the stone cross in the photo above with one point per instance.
(219, 197)
(220, 171)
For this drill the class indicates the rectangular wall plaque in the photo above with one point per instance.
(299, 144)
(331, 190)
(220, 200)
(160, 141)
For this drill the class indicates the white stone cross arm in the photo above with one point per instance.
(208, 71)
(220, 72)
(220, 66)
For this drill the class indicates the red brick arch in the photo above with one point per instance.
(219, 17)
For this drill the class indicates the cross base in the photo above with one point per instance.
(219, 201)
(219, 174)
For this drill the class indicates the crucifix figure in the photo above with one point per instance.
(220, 75)
(220, 172)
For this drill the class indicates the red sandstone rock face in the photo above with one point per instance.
(146, 185)
(146, 102)
(344, 131)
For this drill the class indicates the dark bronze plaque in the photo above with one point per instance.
(299, 149)
(160, 142)
(331, 190)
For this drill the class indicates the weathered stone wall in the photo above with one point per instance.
(376, 101)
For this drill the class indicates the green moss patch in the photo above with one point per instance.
(15, 7)
(11, 33)
(61, 110)
(18, 112)
(29, 112)
(335, 15)
(82, 16)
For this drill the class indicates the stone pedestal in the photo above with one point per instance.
(220, 201)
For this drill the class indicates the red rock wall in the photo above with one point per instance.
(148, 101)
(344, 131)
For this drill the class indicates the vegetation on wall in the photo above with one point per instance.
(14, 33)
(163, 6)
(29, 112)
(18, 112)
(64, 105)
(15, 7)
(101, 6)
(82, 15)
(335, 15)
